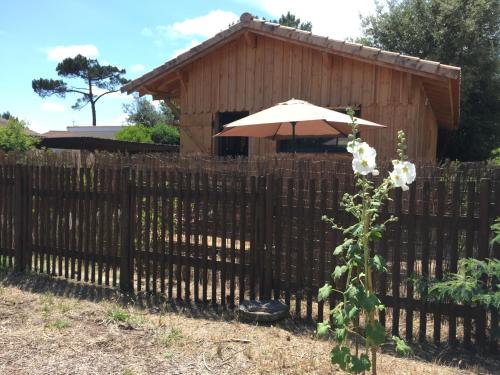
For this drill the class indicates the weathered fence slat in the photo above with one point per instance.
(439, 254)
(396, 264)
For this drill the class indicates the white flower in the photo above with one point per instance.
(375, 172)
(363, 161)
(363, 150)
(351, 146)
(398, 179)
(404, 173)
(408, 169)
(364, 165)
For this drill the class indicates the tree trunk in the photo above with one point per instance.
(94, 118)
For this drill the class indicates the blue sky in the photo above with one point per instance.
(134, 35)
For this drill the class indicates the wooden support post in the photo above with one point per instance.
(173, 107)
(126, 256)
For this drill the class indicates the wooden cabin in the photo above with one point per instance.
(255, 64)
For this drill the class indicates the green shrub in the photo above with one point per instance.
(14, 136)
(134, 133)
(165, 134)
(495, 157)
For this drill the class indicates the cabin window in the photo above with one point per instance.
(317, 145)
(230, 146)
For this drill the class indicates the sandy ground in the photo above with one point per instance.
(52, 326)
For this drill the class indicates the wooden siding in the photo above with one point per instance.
(250, 74)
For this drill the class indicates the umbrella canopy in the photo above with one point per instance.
(294, 118)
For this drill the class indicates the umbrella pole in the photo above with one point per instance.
(293, 136)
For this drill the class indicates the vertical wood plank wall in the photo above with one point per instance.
(251, 76)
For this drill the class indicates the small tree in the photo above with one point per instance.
(142, 111)
(357, 264)
(14, 136)
(290, 20)
(96, 77)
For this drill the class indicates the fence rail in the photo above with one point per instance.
(222, 236)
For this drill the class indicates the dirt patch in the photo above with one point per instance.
(51, 326)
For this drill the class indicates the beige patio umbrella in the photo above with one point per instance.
(294, 118)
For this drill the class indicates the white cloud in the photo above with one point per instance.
(337, 19)
(137, 68)
(204, 26)
(52, 107)
(59, 53)
(191, 44)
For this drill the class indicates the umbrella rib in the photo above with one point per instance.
(333, 127)
(276, 132)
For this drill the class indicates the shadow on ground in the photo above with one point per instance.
(156, 304)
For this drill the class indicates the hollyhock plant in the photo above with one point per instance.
(358, 300)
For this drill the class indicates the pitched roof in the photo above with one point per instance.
(431, 70)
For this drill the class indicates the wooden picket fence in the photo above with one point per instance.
(223, 235)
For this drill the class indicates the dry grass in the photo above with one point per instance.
(50, 326)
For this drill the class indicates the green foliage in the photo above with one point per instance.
(8, 116)
(495, 228)
(14, 137)
(98, 81)
(401, 346)
(118, 316)
(165, 134)
(134, 133)
(291, 20)
(142, 111)
(474, 283)
(172, 337)
(495, 157)
(464, 33)
(58, 324)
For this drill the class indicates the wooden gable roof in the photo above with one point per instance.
(441, 82)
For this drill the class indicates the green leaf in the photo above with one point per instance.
(324, 292)
(338, 318)
(378, 263)
(375, 234)
(354, 249)
(352, 311)
(340, 334)
(375, 334)
(338, 250)
(370, 302)
(360, 364)
(339, 271)
(401, 346)
(322, 329)
(341, 355)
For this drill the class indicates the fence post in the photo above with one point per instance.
(126, 259)
(483, 242)
(18, 218)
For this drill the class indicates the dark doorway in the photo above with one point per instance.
(230, 146)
